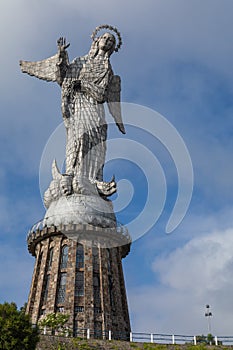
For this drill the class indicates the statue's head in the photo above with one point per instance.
(106, 42)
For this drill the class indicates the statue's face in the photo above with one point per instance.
(107, 42)
(65, 185)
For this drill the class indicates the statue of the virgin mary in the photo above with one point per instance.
(86, 83)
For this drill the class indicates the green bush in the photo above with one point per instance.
(16, 331)
(55, 322)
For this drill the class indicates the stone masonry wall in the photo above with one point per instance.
(94, 292)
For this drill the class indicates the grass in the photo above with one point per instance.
(62, 343)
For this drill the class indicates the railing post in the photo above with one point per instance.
(216, 340)
(131, 337)
(88, 333)
(109, 335)
(173, 339)
(151, 338)
(67, 332)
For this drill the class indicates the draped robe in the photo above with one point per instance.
(84, 116)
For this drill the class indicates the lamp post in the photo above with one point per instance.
(208, 314)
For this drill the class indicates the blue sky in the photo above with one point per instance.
(176, 59)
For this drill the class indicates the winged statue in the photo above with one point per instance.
(86, 84)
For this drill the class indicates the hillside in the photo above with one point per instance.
(59, 343)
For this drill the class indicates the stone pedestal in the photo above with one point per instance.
(78, 271)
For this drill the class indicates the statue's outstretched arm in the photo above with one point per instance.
(49, 69)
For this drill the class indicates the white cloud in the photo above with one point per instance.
(201, 262)
(192, 276)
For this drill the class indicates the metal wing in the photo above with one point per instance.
(45, 69)
(114, 101)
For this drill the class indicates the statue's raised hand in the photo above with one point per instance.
(61, 45)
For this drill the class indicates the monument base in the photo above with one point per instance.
(80, 209)
(80, 277)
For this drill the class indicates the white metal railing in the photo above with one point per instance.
(87, 333)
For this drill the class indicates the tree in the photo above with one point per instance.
(16, 330)
(55, 322)
(208, 340)
(201, 339)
